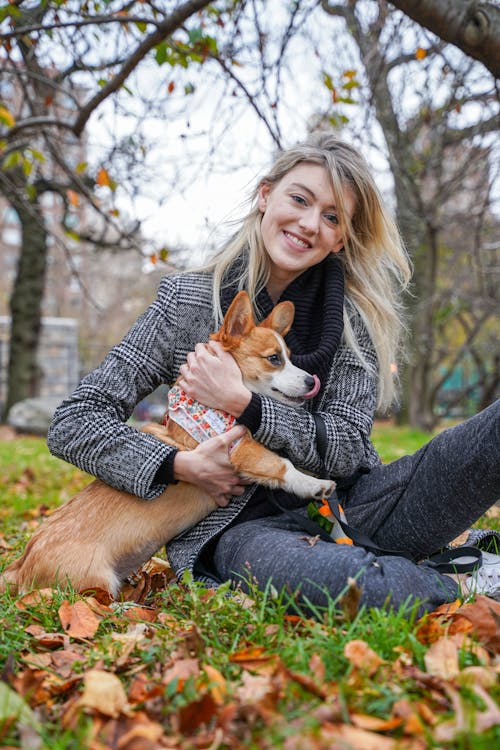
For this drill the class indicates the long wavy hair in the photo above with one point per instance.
(376, 265)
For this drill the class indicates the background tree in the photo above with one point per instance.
(436, 112)
(61, 62)
(472, 26)
(234, 82)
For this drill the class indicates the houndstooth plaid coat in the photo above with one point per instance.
(89, 428)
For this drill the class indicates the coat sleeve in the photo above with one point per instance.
(347, 406)
(89, 428)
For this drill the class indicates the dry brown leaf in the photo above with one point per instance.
(143, 734)
(484, 614)
(135, 732)
(103, 692)
(350, 600)
(31, 684)
(142, 689)
(63, 661)
(199, 712)
(404, 710)
(40, 597)
(217, 686)
(310, 684)
(254, 688)
(374, 724)
(441, 660)
(256, 659)
(140, 614)
(47, 640)
(486, 677)
(317, 667)
(464, 722)
(361, 739)
(4, 544)
(37, 661)
(78, 619)
(181, 670)
(362, 656)
(431, 626)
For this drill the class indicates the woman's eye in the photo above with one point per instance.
(299, 199)
(274, 359)
(332, 218)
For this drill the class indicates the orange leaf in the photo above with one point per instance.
(484, 614)
(420, 53)
(362, 656)
(78, 620)
(103, 178)
(374, 724)
(196, 713)
(142, 689)
(217, 684)
(140, 614)
(73, 198)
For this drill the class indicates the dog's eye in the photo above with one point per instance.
(274, 359)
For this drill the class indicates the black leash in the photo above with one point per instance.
(460, 560)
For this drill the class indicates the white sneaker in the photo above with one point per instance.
(486, 579)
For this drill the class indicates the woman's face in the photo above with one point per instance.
(300, 224)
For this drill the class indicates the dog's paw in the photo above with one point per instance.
(324, 488)
(305, 485)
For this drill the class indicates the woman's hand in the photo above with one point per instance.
(213, 378)
(208, 466)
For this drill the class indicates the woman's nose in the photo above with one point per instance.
(309, 221)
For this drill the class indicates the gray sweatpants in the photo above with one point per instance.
(418, 503)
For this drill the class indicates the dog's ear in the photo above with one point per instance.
(281, 318)
(237, 323)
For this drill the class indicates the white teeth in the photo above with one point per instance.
(296, 240)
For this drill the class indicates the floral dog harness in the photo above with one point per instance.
(199, 421)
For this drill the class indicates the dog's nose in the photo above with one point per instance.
(309, 382)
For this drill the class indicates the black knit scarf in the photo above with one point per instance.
(318, 296)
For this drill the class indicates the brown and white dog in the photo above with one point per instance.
(102, 535)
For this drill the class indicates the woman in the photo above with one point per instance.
(318, 235)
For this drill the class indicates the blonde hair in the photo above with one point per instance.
(376, 265)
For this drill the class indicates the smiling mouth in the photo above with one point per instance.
(297, 241)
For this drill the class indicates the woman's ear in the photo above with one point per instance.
(264, 190)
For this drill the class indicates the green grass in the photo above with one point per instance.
(308, 682)
(394, 442)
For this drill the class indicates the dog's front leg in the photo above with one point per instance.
(255, 462)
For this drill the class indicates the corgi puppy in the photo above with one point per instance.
(102, 535)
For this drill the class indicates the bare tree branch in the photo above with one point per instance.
(472, 26)
(162, 31)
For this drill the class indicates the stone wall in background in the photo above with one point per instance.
(58, 357)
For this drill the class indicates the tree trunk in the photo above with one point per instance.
(26, 306)
(471, 25)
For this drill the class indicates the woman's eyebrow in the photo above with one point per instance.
(300, 186)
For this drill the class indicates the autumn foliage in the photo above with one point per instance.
(176, 665)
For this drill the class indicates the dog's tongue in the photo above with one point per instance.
(314, 390)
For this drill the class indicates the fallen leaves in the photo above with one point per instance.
(103, 692)
(78, 619)
(144, 677)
